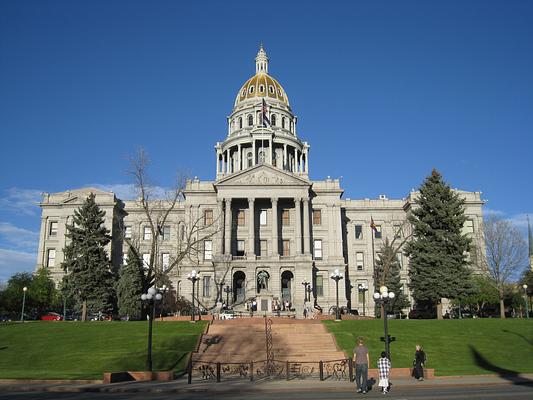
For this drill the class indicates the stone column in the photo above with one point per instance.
(275, 240)
(306, 226)
(227, 226)
(270, 152)
(298, 230)
(295, 161)
(251, 227)
(221, 226)
(218, 162)
(253, 150)
(285, 166)
(306, 161)
(239, 158)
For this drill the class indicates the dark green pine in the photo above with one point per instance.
(130, 286)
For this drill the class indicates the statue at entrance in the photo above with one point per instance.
(262, 280)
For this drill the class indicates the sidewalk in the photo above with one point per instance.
(244, 386)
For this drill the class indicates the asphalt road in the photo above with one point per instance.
(505, 391)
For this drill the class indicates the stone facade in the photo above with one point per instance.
(267, 216)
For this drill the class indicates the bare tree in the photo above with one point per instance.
(506, 253)
(193, 230)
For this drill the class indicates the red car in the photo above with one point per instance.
(51, 316)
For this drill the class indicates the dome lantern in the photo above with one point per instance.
(261, 61)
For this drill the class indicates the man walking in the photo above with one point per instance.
(361, 359)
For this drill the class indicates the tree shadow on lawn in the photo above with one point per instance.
(527, 340)
(507, 374)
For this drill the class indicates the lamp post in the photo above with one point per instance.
(363, 289)
(227, 290)
(383, 298)
(150, 297)
(337, 276)
(193, 277)
(525, 299)
(309, 291)
(164, 289)
(24, 289)
(306, 284)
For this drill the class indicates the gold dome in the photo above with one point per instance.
(262, 85)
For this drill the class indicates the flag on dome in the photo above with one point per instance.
(264, 114)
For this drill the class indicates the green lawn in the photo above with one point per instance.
(76, 350)
(454, 347)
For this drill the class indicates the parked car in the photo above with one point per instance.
(227, 314)
(422, 314)
(51, 316)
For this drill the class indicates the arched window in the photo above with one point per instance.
(250, 120)
(271, 89)
(273, 119)
(283, 122)
(275, 159)
(262, 156)
(240, 122)
(250, 157)
(261, 88)
(251, 90)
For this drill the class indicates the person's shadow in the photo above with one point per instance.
(527, 340)
(507, 374)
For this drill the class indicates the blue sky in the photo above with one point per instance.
(384, 92)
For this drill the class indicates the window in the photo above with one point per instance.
(400, 259)
(271, 89)
(147, 233)
(52, 231)
(240, 248)
(397, 230)
(166, 232)
(263, 248)
(165, 258)
(146, 260)
(319, 287)
(251, 89)
(285, 217)
(207, 287)
(240, 218)
(127, 232)
(358, 232)
(263, 217)
(51, 258)
(317, 217)
(250, 120)
(208, 250)
(286, 248)
(317, 248)
(125, 259)
(261, 88)
(262, 156)
(360, 261)
(283, 122)
(240, 122)
(273, 119)
(182, 232)
(469, 226)
(377, 232)
(250, 159)
(208, 217)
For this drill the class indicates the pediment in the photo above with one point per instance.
(263, 175)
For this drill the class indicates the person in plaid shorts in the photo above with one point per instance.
(384, 370)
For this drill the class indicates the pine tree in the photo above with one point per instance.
(388, 274)
(89, 279)
(130, 286)
(438, 266)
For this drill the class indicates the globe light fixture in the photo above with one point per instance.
(524, 286)
(24, 290)
(150, 298)
(383, 298)
(337, 276)
(193, 277)
(363, 288)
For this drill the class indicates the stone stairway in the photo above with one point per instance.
(244, 340)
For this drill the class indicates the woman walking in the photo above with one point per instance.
(418, 363)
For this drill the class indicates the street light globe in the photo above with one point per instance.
(391, 295)
(158, 296)
(143, 297)
(149, 296)
(152, 291)
(383, 289)
(164, 287)
(524, 286)
(376, 296)
(385, 295)
(24, 288)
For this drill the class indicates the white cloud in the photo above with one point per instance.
(18, 238)
(12, 261)
(21, 201)
(127, 191)
(489, 211)
(519, 220)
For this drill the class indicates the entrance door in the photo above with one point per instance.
(239, 286)
(287, 279)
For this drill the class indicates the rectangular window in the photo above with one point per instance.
(207, 287)
(358, 232)
(397, 231)
(208, 217)
(469, 226)
(240, 247)
(147, 233)
(127, 232)
(317, 249)
(319, 286)
(400, 259)
(165, 258)
(285, 218)
(286, 248)
(360, 261)
(263, 217)
(263, 248)
(51, 258)
(146, 260)
(240, 218)
(377, 232)
(53, 229)
(317, 217)
(208, 250)
(166, 232)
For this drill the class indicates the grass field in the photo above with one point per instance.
(76, 350)
(454, 347)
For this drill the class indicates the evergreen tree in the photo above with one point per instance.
(130, 286)
(89, 279)
(388, 274)
(438, 266)
(43, 293)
